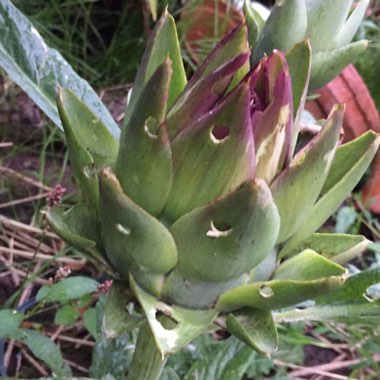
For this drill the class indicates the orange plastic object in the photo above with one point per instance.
(206, 24)
(361, 116)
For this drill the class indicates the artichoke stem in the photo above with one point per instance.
(147, 362)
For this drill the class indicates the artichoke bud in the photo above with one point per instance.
(330, 25)
(202, 196)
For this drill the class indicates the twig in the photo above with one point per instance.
(6, 144)
(23, 200)
(41, 256)
(323, 369)
(26, 227)
(34, 363)
(24, 178)
(70, 339)
(76, 366)
(8, 353)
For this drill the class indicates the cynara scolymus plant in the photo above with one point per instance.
(205, 208)
(329, 24)
(195, 206)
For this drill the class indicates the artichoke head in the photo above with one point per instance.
(196, 203)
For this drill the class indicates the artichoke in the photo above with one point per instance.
(197, 203)
(329, 24)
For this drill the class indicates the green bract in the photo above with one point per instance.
(203, 193)
(329, 24)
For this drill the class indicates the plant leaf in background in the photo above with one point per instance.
(38, 69)
(67, 289)
(44, 348)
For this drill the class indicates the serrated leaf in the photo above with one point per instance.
(342, 184)
(358, 313)
(132, 238)
(47, 351)
(339, 248)
(188, 323)
(255, 328)
(276, 294)
(117, 320)
(38, 69)
(306, 266)
(10, 320)
(297, 188)
(144, 163)
(328, 64)
(67, 289)
(226, 360)
(162, 44)
(285, 27)
(216, 152)
(66, 315)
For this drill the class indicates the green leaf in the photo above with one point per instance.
(307, 266)
(328, 64)
(340, 182)
(297, 188)
(285, 27)
(78, 226)
(215, 152)
(162, 44)
(152, 5)
(10, 320)
(132, 238)
(255, 22)
(276, 294)
(340, 248)
(44, 349)
(358, 313)
(117, 318)
(89, 321)
(38, 69)
(80, 122)
(347, 157)
(66, 315)
(351, 26)
(255, 328)
(188, 323)
(299, 62)
(226, 360)
(226, 238)
(355, 288)
(325, 19)
(144, 163)
(67, 289)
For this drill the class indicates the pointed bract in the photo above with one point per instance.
(144, 163)
(216, 154)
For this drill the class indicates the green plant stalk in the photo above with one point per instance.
(147, 362)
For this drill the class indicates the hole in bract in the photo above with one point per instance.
(89, 171)
(219, 133)
(219, 229)
(266, 291)
(151, 127)
(123, 230)
(166, 320)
